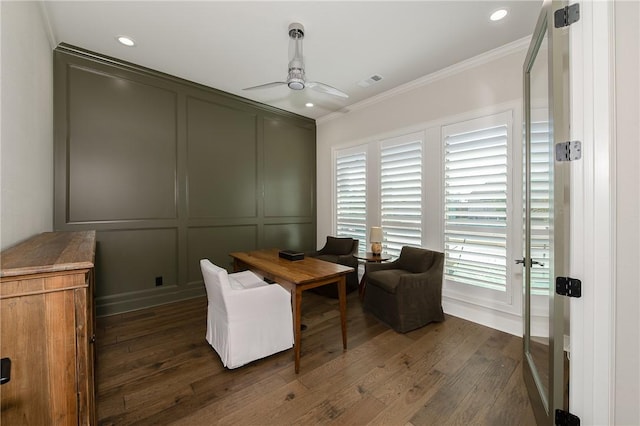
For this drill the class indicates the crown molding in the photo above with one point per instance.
(79, 52)
(483, 58)
(48, 27)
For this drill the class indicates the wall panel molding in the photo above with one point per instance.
(168, 171)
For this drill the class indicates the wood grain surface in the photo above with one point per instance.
(49, 252)
(47, 325)
(298, 272)
(155, 367)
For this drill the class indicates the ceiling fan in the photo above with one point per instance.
(295, 77)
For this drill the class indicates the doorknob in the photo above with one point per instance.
(531, 262)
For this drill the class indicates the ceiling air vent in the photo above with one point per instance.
(369, 81)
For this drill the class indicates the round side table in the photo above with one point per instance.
(368, 258)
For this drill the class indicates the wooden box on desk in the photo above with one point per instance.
(47, 325)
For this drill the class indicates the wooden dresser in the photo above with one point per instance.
(47, 330)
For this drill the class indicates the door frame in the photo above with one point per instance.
(593, 257)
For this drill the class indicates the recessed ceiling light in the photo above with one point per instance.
(308, 104)
(498, 14)
(127, 41)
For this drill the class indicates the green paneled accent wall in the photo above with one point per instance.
(215, 243)
(169, 172)
(288, 235)
(222, 152)
(143, 253)
(120, 167)
(282, 176)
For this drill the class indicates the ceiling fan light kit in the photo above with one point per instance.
(296, 79)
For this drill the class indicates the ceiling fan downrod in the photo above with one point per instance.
(295, 79)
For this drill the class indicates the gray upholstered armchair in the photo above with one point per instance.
(342, 251)
(407, 293)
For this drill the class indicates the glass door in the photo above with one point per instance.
(545, 210)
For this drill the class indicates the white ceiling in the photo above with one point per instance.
(233, 45)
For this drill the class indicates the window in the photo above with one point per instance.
(476, 194)
(351, 200)
(540, 187)
(401, 195)
(380, 184)
(449, 187)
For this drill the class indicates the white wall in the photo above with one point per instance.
(496, 78)
(26, 144)
(627, 268)
(487, 84)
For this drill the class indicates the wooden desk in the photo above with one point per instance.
(297, 276)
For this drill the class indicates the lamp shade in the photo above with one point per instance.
(375, 236)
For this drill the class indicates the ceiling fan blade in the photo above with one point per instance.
(321, 87)
(266, 86)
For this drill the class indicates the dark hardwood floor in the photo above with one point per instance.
(155, 367)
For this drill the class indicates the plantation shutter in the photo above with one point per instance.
(475, 206)
(401, 195)
(540, 190)
(351, 205)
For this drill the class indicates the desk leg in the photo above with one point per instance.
(297, 324)
(342, 294)
(237, 265)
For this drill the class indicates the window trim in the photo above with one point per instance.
(467, 292)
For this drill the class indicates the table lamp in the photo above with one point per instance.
(375, 237)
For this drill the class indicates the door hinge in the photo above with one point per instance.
(565, 418)
(568, 151)
(567, 15)
(566, 286)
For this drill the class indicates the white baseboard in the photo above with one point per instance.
(499, 320)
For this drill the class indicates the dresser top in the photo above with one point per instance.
(49, 252)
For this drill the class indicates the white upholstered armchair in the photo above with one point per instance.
(247, 318)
